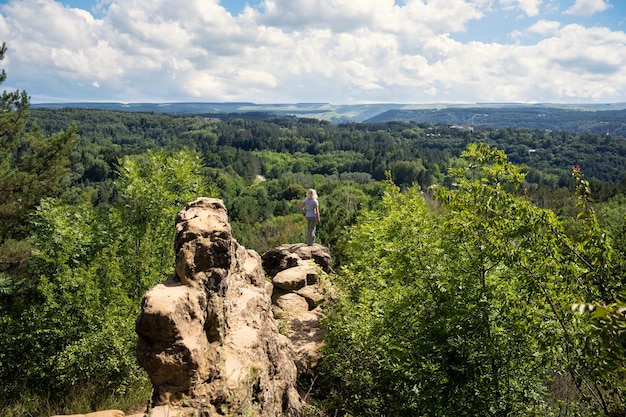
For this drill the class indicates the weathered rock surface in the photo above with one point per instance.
(207, 337)
(297, 298)
(217, 338)
(288, 256)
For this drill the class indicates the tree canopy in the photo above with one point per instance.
(461, 306)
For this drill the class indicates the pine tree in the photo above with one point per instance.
(32, 165)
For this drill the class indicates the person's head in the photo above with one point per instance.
(311, 194)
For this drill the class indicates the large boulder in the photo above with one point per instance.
(288, 256)
(207, 336)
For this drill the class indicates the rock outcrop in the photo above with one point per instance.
(217, 338)
(297, 298)
(207, 336)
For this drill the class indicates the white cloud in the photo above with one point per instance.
(4, 28)
(441, 16)
(588, 7)
(584, 62)
(529, 7)
(545, 27)
(47, 22)
(542, 28)
(414, 16)
(340, 15)
(302, 50)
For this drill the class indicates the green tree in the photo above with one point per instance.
(460, 307)
(601, 361)
(32, 165)
(73, 325)
(340, 204)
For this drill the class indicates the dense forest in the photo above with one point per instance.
(481, 269)
(597, 118)
(413, 152)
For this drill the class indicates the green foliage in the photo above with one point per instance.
(603, 354)
(273, 232)
(609, 329)
(330, 162)
(32, 165)
(5, 284)
(463, 309)
(364, 350)
(280, 146)
(454, 306)
(159, 181)
(602, 362)
(341, 202)
(73, 325)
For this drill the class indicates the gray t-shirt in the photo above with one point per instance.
(310, 207)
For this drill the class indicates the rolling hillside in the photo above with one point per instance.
(587, 118)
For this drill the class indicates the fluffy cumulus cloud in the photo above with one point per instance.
(339, 51)
(545, 27)
(588, 7)
(529, 7)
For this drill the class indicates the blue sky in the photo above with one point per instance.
(233, 6)
(337, 51)
(503, 22)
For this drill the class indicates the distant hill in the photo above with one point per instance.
(580, 118)
(322, 111)
(579, 121)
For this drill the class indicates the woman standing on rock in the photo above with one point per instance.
(312, 214)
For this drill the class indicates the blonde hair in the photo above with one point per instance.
(311, 194)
